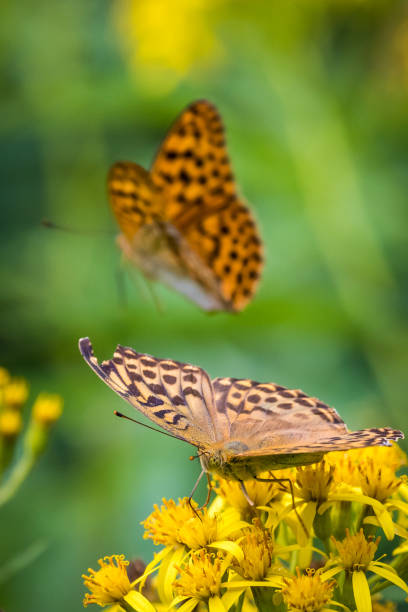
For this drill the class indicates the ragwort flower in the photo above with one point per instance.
(177, 524)
(200, 579)
(307, 592)
(355, 556)
(111, 585)
(258, 548)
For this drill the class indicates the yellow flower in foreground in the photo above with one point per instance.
(47, 408)
(11, 423)
(378, 481)
(314, 482)
(361, 464)
(177, 524)
(163, 524)
(110, 583)
(307, 593)
(355, 556)
(257, 546)
(356, 551)
(261, 493)
(201, 578)
(392, 456)
(15, 393)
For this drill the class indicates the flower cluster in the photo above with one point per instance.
(309, 543)
(15, 466)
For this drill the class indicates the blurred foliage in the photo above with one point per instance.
(314, 96)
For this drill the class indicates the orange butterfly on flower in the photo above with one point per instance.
(240, 427)
(182, 222)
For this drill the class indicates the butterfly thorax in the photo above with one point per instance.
(230, 461)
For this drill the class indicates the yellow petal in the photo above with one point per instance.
(331, 572)
(230, 597)
(385, 520)
(229, 547)
(168, 573)
(187, 606)
(397, 503)
(274, 582)
(388, 575)
(215, 604)
(138, 602)
(398, 530)
(362, 499)
(361, 592)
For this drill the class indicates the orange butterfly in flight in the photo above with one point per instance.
(182, 222)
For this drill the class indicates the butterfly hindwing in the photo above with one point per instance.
(309, 443)
(274, 420)
(176, 396)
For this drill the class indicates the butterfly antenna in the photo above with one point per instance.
(197, 456)
(164, 433)
(62, 228)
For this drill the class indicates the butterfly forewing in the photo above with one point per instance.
(192, 166)
(176, 396)
(193, 170)
(134, 199)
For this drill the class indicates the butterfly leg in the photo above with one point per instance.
(280, 481)
(245, 493)
(194, 490)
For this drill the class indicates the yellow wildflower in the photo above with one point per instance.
(257, 546)
(47, 408)
(355, 556)
(110, 583)
(345, 468)
(201, 579)
(167, 39)
(356, 551)
(307, 592)
(393, 456)
(11, 423)
(378, 481)
(178, 524)
(164, 523)
(15, 393)
(314, 482)
(261, 493)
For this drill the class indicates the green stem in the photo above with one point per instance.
(6, 453)
(238, 606)
(263, 598)
(347, 593)
(17, 476)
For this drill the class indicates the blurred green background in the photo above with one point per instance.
(314, 97)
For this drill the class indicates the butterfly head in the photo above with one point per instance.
(222, 459)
